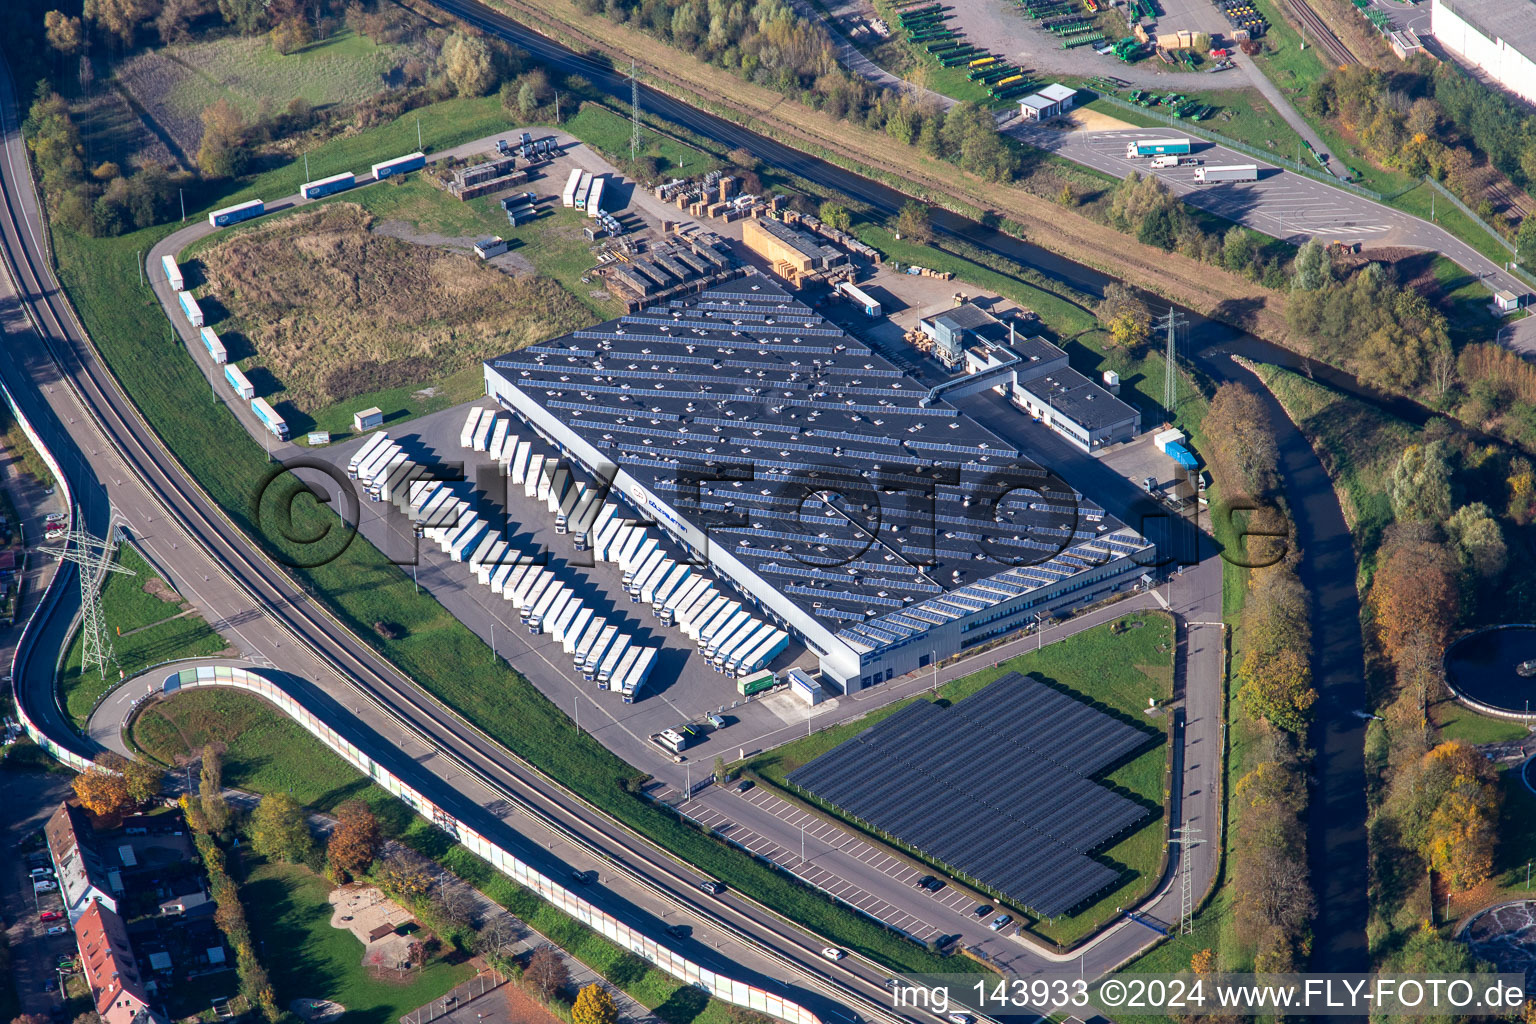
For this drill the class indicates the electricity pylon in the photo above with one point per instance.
(94, 557)
(1172, 322)
(634, 114)
(1186, 838)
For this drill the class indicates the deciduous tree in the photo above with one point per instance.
(1278, 687)
(1479, 539)
(102, 791)
(355, 841)
(223, 152)
(1415, 595)
(469, 64)
(62, 31)
(278, 829)
(546, 973)
(912, 222)
(143, 778)
(404, 875)
(594, 1006)
(210, 790)
(835, 215)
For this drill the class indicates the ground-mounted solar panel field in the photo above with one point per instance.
(999, 787)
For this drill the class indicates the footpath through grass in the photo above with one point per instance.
(362, 587)
(1116, 667)
(145, 629)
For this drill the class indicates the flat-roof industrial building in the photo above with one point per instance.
(851, 504)
(1498, 36)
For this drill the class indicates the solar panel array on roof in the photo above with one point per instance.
(863, 496)
(996, 787)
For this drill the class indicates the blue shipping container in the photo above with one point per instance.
(1178, 453)
(235, 214)
(328, 186)
(399, 165)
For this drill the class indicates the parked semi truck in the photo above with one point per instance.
(237, 213)
(399, 165)
(269, 418)
(190, 307)
(173, 273)
(1155, 147)
(237, 381)
(215, 347)
(1228, 172)
(328, 186)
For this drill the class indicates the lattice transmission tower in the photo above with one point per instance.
(634, 114)
(1186, 839)
(1171, 324)
(94, 558)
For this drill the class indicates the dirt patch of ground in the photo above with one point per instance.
(316, 1011)
(1085, 120)
(333, 309)
(522, 1008)
(408, 233)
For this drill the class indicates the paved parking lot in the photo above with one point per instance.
(30, 798)
(682, 688)
(825, 861)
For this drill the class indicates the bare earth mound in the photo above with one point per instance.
(334, 310)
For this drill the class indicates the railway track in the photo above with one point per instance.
(1321, 35)
(853, 982)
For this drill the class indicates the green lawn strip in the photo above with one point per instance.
(1115, 671)
(442, 126)
(609, 134)
(1357, 443)
(290, 919)
(1456, 722)
(144, 631)
(1517, 836)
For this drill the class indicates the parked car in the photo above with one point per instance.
(711, 887)
(982, 911)
(42, 872)
(922, 883)
(679, 931)
(50, 915)
(745, 785)
(58, 929)
(44, 886)
(833, 953)
(715, 721)
(932, 884)
(583, 877)
(1001, 922)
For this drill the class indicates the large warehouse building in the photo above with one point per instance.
(851, 504)
(1498, 36)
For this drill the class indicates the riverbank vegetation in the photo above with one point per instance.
(1439, 517)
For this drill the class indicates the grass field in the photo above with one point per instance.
(1456, 722)
(152, 631)
(1116, 672)
(264, 750)
(320, 309)
(290, 920)
(609, 133)
(1358, 445)
(176, 84)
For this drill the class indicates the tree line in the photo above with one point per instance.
(1273, 899)
(1429, 118)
